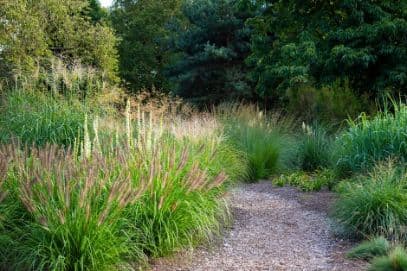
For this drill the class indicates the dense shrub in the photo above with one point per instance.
(33, 32)
(374, 205)
(330, 103)
(370, 140)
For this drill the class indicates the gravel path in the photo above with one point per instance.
(274, 229)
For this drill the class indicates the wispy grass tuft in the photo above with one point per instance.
(374, 205)
(263, 138)
(315, 150)
(395, 261)
(186, 173)
(367, 250)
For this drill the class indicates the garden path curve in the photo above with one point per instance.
(274, 229)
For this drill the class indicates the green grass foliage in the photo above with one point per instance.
(182, 206)
(395, 261)
(107, 201)
(64, 213)
(369, 140)
(367, 250)
(262, 148)
(305, 181)
(374, 205)
(315, 148)
(265, 139)
(38, 118)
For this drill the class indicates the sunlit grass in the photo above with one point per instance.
(138, 188)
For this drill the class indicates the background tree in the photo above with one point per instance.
(32, 32)
(317, 42)
(212, 47)
(143, 30)
(96, 12)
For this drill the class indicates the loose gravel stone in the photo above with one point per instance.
(274, 229)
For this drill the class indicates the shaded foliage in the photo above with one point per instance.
(212, 48)
(297, 42)
(143, 30)
(96, 12)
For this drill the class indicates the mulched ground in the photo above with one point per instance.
(274, 229)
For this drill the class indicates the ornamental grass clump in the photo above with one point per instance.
(374, 205)
(68, 212)
(370, 140)
(186, 174)
(4, 160)
(264, 140)
(378, 246)
(315, 148)
(137, 189)
(4, 212)
(395, 261)
(33, 117)
(182, 205)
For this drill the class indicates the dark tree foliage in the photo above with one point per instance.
(96, 12)
(318, 41)
(212, 47)
(142, 28)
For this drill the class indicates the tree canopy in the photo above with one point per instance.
(143, 28)
(212, 47)
(32, 32)
(208, 51)
(297, 42)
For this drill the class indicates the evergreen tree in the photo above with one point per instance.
(96, 12)
(297, 42)
(142, 28)
(212, 47)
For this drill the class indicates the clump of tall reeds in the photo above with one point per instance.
(371, 140)
(375, 204)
